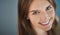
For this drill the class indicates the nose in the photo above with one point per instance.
(44, 17)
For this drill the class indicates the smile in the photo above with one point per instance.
(45, 24)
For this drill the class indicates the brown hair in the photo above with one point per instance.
(24, 25)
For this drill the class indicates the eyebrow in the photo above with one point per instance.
(34, 10)
(39, 10)
(48, 6)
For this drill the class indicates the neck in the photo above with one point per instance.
(40, 31)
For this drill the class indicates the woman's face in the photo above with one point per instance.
(41, 14)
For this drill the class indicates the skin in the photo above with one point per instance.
(41, 14)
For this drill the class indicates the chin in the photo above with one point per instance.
(47, 29)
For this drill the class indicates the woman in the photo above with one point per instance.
(37, 17)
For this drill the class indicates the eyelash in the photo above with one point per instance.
(48, 8)
(35, 12)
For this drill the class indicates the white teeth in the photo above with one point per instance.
(46, 22)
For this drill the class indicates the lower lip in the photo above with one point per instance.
(44, 24)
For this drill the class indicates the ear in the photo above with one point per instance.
(27, 18)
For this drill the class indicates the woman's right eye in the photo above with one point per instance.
(35, 12)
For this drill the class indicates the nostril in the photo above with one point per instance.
(44, 20)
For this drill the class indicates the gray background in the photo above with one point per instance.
(8, 16)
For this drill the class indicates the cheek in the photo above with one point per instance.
(51, 13)
(34, 19)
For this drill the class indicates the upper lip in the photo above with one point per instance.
(45, 22)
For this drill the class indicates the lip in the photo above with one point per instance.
(44, 24)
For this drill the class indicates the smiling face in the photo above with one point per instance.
(41, 14)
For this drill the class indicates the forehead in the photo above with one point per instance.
(39, 4)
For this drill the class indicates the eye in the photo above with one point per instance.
(35, 12)
(48, 8)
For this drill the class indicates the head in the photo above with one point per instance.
(36, 14)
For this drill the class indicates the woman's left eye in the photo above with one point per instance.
(48, 8)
